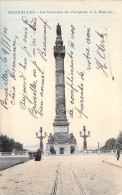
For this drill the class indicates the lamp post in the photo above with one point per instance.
(84, 137)
(41, 137)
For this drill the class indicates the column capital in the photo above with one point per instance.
(59, 52)
(59, 49)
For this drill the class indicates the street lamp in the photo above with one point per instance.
(41, 137)
(84, 137)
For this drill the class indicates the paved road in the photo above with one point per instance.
(64, 175)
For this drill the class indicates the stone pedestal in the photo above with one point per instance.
(61, 142)
(62, 149)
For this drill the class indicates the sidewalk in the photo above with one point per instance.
(64, 175)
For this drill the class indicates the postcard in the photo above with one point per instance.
(61, 93)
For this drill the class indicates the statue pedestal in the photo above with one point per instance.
(61, 142)
(61, 149)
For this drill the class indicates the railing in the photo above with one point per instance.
(13, 153)
(100, 151)
(5, 153)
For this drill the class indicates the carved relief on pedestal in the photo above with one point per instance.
(60, 138)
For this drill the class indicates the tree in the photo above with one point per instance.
(119, 139)
(18, 146)
(4, 143)
(110, 144)
(7, 144)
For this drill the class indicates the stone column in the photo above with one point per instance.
(59, 53)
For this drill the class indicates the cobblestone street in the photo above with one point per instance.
(64, 175)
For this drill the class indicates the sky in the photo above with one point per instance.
(26, 39)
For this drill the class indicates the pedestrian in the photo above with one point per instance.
(38, 156)
(118, 153)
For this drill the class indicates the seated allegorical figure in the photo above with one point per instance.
(72, 139)
(50, 139)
